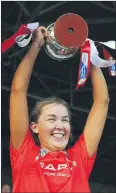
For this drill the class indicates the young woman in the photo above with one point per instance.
(49, 167)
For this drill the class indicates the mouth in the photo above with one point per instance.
(58, 135)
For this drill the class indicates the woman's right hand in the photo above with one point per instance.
(40, 35)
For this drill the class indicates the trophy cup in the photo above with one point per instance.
(67, 34)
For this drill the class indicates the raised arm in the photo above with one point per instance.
(98, 114)
(19, 118)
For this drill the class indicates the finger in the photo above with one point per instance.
(43, 30)
(49, 40)
(48, 33)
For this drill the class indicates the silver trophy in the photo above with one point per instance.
(55, 50)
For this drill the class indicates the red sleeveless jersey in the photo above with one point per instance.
(54, 172)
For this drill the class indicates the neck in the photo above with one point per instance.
(48, 150)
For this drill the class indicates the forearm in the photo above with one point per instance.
(96, 120)
(99, 86)
(24, 71)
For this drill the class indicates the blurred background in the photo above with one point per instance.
(51, 77)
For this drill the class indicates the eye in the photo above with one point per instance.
(51, 119)
(65, 120)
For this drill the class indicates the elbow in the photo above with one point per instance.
(101, 97)
(104, 101)
(15, 87)
(108, 99)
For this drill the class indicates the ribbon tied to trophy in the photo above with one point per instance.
(68, 35)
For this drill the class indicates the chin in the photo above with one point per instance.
(59, 147)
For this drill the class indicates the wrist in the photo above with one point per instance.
(37, 44)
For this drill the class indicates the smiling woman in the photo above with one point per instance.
(51, 167)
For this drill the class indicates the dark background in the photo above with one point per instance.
(51, 77)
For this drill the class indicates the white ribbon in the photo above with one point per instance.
(110, 44)
(33, 26)
(21, 40)
(94, 56)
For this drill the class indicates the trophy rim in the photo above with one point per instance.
(52, 54)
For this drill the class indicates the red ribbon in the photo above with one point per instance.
(85, 51)
(11, 41)
(107, 56)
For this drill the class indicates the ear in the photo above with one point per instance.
(34, 128)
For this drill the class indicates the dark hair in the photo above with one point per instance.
(37, 110)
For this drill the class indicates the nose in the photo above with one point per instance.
(59, 126)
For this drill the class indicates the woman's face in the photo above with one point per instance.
(53, 127)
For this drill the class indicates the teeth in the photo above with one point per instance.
(58, 135)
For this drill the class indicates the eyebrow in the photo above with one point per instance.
(53, 115)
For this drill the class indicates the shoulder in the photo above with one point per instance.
(80, 148)
(27, 144)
